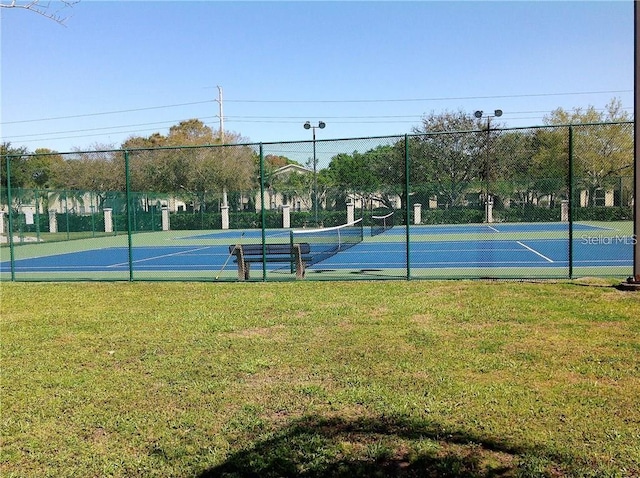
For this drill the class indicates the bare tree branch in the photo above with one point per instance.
(45, 9)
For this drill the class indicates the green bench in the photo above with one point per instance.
(295, 254)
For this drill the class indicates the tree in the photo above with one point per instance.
(17, 158)
(41, 8)
(352, 175)
(529, 164)
(191, 163)
(273, 161)
(43, 168)
(549, 171)
(449, 155)
(375, 176)
(92, 176)
(603, 153)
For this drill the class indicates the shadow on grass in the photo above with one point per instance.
(317, 447)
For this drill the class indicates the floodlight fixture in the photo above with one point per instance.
(496, 113)
(321, 125)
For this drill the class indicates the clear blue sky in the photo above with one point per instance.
(365, 68)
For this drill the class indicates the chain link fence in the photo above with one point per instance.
(543, 202)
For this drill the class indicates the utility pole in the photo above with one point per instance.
(633, 282)
(225, 201)
(220, 113)
(636, 161)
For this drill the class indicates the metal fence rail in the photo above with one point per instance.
(542, 202)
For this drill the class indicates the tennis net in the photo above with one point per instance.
(328, 241)
(380, 224)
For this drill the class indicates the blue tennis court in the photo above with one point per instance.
(446, 248)
(522, 228)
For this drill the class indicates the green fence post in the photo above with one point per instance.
(66, 213)
(407, 186)
(571, 192)
(635, 277)
(37, 201)
(633, 281)
(93, 207)
(263, 216)
(129, 215)
(12, 258)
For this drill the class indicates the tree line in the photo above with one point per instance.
(451, 154)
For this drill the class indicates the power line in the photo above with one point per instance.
(168, 123)
(397, 100)
(366, 119)
(280, 119)
(89, 135)
(108, 112)
(324, 116)
(400, 100)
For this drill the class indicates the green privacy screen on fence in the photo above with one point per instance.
(543, 202)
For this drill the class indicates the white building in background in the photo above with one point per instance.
(274, 200)
(602, 197)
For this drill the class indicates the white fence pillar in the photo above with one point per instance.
(351, 217)
(53, 221)
(165, 218)
(489, 210)
(286, 216)
(417, 213)
(108, 219)
(564, 210)
(1, 222)
(225, 217)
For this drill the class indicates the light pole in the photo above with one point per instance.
(321, 125)
(488, 200)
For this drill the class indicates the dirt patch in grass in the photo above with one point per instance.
(270, 332)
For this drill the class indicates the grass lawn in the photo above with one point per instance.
(314, 379)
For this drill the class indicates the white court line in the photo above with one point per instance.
(493, 229)
(534, 251)
(160, 257)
